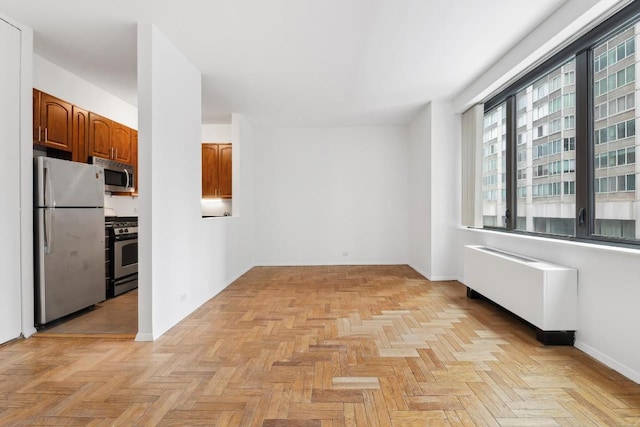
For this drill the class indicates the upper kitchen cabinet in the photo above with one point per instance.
(225, 170)
(80, 134)
(109, 139)
(216, 171)
(52, 122)
(100, 136)
(121, 143)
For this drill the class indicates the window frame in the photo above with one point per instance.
(585, 191)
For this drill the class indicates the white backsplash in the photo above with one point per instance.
(128, 206)
(120, 205)
(215, 207)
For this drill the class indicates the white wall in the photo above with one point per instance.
(332, 196)
(16, 312)
(216, 133)
(435, 191)
(445, 190)
(181, 267)
(420, 192)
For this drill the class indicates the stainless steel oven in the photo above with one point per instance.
(124, 257)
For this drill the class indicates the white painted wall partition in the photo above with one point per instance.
(331, 196)
(10, 308)
(181, 267)
(16, 165)
(169, 155)
(434, 169)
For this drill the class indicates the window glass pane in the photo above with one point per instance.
(614, 140)
(546, 185)
(493, 170)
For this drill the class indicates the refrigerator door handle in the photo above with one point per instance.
(49, 197)
(48, 224)
(40, 313)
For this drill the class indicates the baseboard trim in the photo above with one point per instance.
(144, 337)
(623, 369)
(433, 278)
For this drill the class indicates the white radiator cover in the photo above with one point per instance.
(543, 294)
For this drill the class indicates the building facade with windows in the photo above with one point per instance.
(545, 122)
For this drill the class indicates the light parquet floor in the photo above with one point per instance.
(319, 346)
(115, 316)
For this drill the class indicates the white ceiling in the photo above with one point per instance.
(291, 62)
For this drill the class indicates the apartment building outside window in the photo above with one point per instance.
(571, 148)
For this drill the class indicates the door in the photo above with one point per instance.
(121, 143)
(10, 246)
(56, 120)
(70, 262)
(224, 176)
(209, 170)
(80, 134)
(99, 136)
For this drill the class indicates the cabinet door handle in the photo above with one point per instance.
(111, 155)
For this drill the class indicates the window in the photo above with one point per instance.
(601, 111)
(522, 138)
(569, 187)
(615, 80)
(568, 100)
(522, 173)
(569, 78)
(493, 168)
(569, 122)
(554, 105)
(559, 182)
(570, 143)
(522, 192)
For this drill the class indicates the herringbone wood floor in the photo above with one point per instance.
(319, 346)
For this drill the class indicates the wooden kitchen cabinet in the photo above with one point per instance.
(52, 122)
(224, 170)
(99, 136)
(121, 143)
(216, 171)
(69, 132)
(80, 134)
(109, 139)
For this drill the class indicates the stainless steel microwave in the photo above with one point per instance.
(118, 177)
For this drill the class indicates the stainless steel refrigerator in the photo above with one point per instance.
(69, 237)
